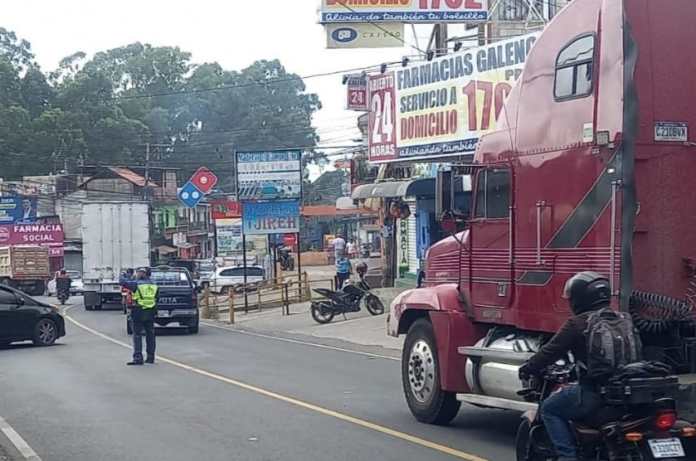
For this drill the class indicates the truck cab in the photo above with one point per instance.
(589, 168)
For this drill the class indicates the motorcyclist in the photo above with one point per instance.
(63, 283)
(586, 292)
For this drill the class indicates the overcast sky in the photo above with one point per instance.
(234, 33)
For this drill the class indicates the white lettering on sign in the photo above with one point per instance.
(671, 131)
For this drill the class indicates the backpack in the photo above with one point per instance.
(612, 342)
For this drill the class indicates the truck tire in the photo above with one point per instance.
(193, 327)
(420, 376)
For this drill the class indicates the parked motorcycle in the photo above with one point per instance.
(348, 299)
(638, 422)
(365, 250)
(287, 262)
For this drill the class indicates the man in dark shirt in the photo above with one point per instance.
(586, 292)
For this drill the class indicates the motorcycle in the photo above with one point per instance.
(63, 290)
(638, 421)
(346, 300)
(365, 250)
(287, 262)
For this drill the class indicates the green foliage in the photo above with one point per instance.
(105, 109)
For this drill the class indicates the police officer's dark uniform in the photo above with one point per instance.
(143, 315)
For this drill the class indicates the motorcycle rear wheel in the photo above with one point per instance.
(321, 316)
(374, 305)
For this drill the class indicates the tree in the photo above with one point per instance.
(326, 189)
(105, 109)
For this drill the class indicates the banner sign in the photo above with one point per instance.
(16, 209)
(442, 107)
(229, 236)
(357, 92)
(269, 175)
(263, 218)
(387, 35)
(32, 234)
(381, 91)
(225, 208)
(408, 11)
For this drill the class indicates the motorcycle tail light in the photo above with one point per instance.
(633, 437)
(665, 420)
(689, 432)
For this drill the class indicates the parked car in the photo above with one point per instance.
(227, 277)
(76, 286)
(23, 318)
(177, 299)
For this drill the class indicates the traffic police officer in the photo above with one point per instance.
(143, 315)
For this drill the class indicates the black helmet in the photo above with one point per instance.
(361, 268)
(586, 291)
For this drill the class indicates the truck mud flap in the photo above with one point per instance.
(92, 299)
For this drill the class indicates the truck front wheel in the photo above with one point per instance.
(420, 375)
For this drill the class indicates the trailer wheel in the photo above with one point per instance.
(420, 376)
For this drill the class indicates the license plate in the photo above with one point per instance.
(162, 313)
(666, 448)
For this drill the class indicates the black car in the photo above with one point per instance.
(177, 298)
(23, 318)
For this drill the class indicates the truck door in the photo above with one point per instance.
(491, 261)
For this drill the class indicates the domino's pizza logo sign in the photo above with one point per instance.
(190, 195)
(344, 35)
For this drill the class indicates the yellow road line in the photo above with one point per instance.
(299, 403)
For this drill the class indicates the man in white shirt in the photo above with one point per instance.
(339, 246)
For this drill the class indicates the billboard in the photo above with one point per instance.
(387, 35)
(263, 218)
(225, 208)
(408, 11)
(229, 236)
(50, 235)
(442, 107)
(16, 208)
(357, 92)
(270, 175)
(381, 91)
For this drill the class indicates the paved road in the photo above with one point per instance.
(224, 395)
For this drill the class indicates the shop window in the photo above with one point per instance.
(574, 69)
(493, 194)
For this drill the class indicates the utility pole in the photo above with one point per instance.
(146, 189)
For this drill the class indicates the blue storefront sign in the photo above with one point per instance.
(17, 209)
(264, 218)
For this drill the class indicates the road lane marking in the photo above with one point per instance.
(19, 443)
(304, 343)
(296, 402)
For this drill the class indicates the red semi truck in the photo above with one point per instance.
(592, 167)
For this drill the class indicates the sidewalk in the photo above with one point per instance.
(360, 328)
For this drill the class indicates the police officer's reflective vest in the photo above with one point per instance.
(145, 296)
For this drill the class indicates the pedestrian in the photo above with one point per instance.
(339, 245)
(143, 313)
(350, 249)
(343, 270)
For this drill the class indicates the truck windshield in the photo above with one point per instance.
(171, 278)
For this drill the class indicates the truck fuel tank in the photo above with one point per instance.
(492, 365)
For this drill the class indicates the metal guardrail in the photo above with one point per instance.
(282, 293)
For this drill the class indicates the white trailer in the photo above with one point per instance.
(115, 237)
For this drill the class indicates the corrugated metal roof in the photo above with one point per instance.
(131, 176)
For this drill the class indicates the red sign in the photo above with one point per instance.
(225, 208)
(32, 234)
(381, 121)
(204, 180)
(357, 92)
